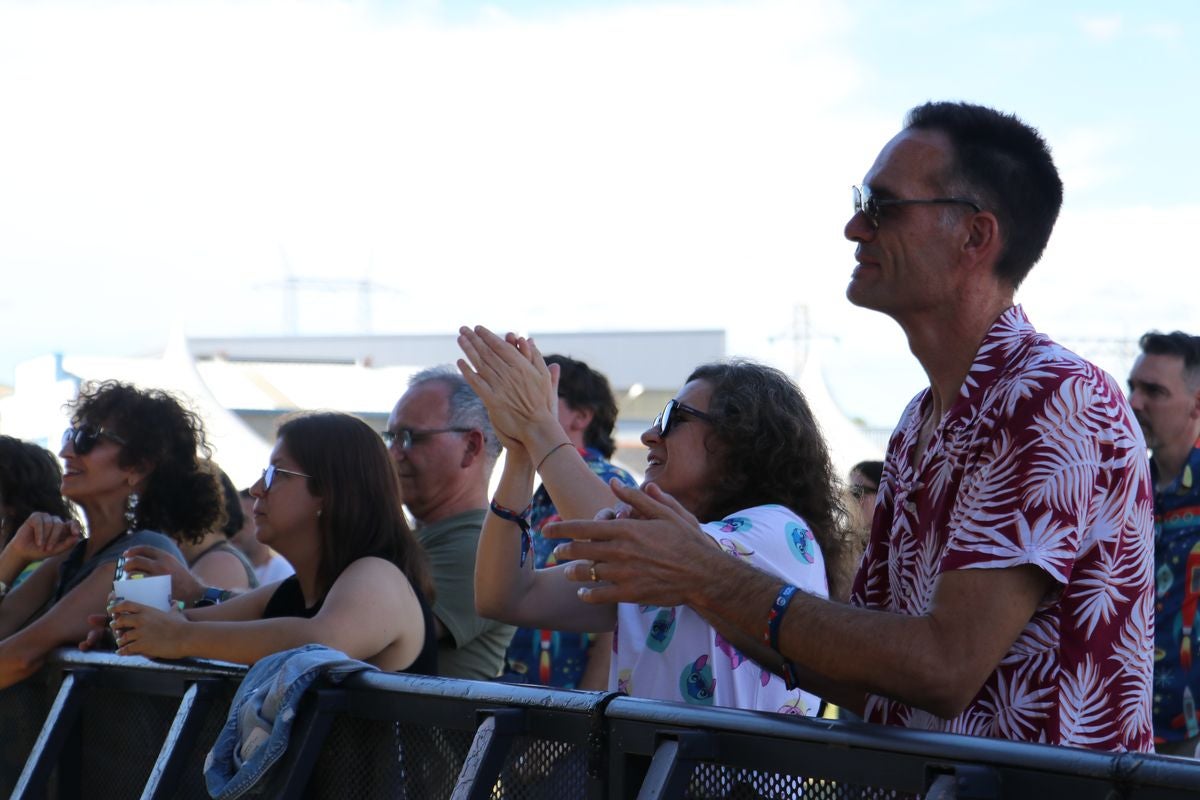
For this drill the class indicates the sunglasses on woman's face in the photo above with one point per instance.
(84, 438)
(269, 474)
(671, 412)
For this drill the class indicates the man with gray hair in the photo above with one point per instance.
(444, 447)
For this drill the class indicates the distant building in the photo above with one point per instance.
(241, 386)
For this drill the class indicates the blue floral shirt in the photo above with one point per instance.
(553, 658)
(1177, 600)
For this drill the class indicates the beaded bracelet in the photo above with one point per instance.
(782, 601)
(521, 519)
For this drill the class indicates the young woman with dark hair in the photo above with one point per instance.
(330, 503)
(30, 481)
(738, 448)
(132, 467)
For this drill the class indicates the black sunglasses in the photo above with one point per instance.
(84, 438)
(872, 207)
(858, 491)
(665, 419)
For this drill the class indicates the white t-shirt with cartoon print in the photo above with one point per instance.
(674, 654)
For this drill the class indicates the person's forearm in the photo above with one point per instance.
(500, 582)
(540, 598)
(840, 652)
(18, 662)
(246, 642)
(577, 492)
(753, 648)
(11, 565)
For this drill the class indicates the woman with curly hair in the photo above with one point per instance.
(329, 501)
(737, 447)
(131, 465)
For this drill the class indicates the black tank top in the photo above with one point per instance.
(288, 601)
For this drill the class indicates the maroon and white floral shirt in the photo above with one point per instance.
(1038, 461)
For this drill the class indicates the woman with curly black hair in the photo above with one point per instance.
(737, 448)
(329, 501)
(131, 465)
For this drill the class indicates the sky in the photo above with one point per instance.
(563, 166)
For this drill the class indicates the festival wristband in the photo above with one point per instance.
(521, 520)
(782, 601)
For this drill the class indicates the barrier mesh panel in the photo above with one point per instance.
(542, 769)
(377, 759)
(191, 780)
(122, 734)
(23, 709)
(713, 781)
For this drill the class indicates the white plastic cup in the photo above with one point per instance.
(151, 590)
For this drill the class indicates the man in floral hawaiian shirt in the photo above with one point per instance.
(1006, 589)
(1164, 390)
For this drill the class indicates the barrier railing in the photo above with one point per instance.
(96, 725)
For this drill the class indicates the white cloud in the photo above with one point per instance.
(1088, 157)
(1101, 29)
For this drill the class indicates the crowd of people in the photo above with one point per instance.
(1001, 573)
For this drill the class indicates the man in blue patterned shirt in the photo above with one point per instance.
(587, 412)
(1165, 395)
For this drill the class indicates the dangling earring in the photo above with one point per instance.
(131, 515)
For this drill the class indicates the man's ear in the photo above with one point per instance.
(1195, 412)
(474, 449)
(984, 240)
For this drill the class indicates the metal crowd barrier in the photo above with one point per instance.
(94, 725)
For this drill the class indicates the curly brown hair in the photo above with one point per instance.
(182, 497)
(768, 449)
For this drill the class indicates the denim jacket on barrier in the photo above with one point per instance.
(256, 732)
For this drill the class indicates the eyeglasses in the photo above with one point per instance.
(664, 421)
(268, 476)
(871, 206)
(85, 437)
(405, 438)
(858, 491)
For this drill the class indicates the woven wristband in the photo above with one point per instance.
(521, 520)
(782, 601)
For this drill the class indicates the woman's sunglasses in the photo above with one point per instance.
(268, 475)
(670, 413)
(84, 438)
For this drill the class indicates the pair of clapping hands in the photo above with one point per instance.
(649, 549)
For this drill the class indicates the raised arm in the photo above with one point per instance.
(504, 590)
(520, 393)
(370, 606)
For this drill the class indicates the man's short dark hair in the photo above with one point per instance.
(1175, 343)
(585, 389)
(1005, 166)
